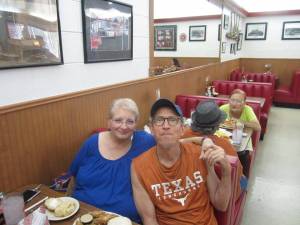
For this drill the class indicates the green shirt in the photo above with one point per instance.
(247, 116)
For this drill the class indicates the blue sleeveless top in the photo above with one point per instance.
(105, 183)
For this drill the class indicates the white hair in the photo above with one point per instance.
(124, 103)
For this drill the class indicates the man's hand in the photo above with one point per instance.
(212, 154)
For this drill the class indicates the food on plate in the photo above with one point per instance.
(102, 218)
(86, 218)
(52, 203)
(64, 209)
(228, 124)
(59, 207)
(223, 133)
(120, 220)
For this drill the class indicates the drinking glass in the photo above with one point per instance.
(237, 134)
(13, 208)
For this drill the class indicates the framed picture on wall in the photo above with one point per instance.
(226, 21)
(239, 42)
(107, 31)
(256, 31)
(165, 38)
(30, 34)
(197, 33)
(223, 47)
(219, 32)
(291, 30)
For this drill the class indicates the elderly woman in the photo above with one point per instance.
(101, 169)
(238, 110)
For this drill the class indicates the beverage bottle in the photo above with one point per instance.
(237, 133)
(2, 220)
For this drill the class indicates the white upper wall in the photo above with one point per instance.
(208, 48)
(19, 85)
(273, 46)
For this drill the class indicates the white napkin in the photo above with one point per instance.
(38, 217)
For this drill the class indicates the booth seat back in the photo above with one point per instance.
(289, 94)
(295, 85)
(237, 75)
(188, 103)
(253, 89)
(228, 217)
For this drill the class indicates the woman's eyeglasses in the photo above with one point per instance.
(172, 120)
(237, 101)
(120, 122)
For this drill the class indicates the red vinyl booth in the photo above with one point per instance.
(289, 94)
(237, 75)
(253, 89)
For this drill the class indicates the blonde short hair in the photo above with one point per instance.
(124, 103)
(238, 91)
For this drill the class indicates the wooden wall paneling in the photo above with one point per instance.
(283, 68)
(39, 139)
(186, 62)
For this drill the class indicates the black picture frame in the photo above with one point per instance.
(226, 21)
(165, 38)
(256, 31)
(219, 32)
(27, 37)
(107, 36)
(239, 42)
(290, 30)
(197, 33)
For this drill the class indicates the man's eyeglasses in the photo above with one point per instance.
(237, 101)
(172, 120)
(120, 122)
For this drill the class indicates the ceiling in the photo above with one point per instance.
(188, 8)
(268, 5)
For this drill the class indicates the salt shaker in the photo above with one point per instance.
(237, 133)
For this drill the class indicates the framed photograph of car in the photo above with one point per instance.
(165, 38)
(197, 33)
(107, 31)
(256, 31)
(291, 30)
(29, 34)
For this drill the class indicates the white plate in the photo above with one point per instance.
(51, 215)
(96, 210)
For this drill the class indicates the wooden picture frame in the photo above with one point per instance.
(107, 36)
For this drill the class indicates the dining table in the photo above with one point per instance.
(47, 192)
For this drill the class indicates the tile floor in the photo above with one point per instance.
(274, 187)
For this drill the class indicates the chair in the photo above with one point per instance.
(289, 94)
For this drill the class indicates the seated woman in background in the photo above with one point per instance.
(205, 122)
(101, 169)
(237, 110)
